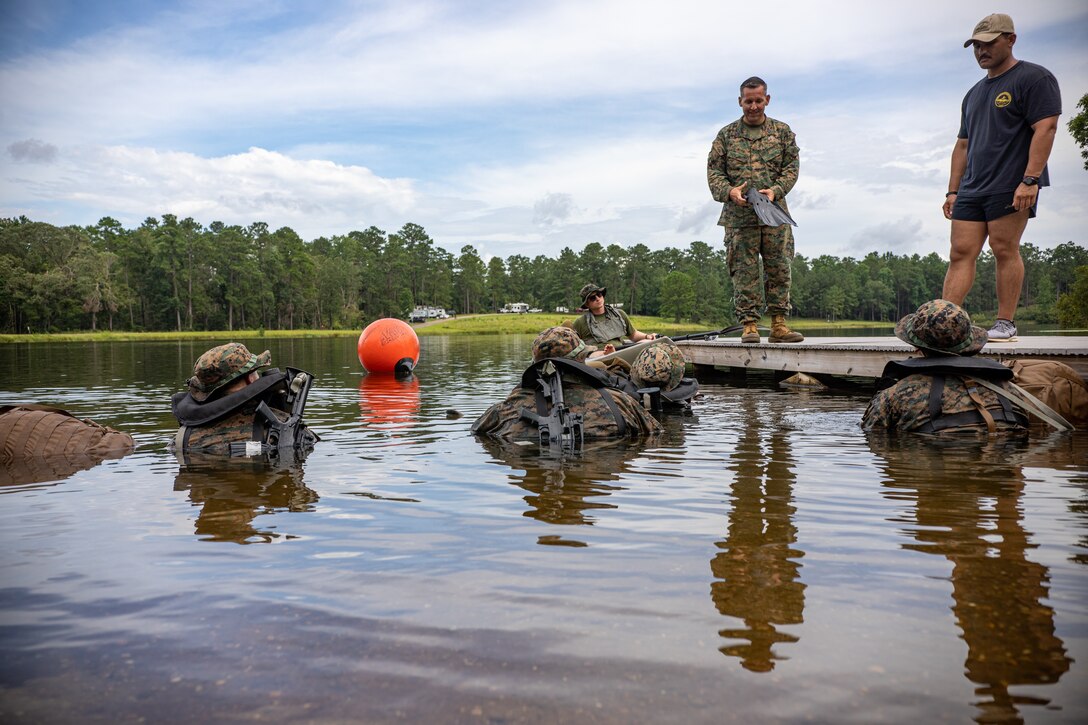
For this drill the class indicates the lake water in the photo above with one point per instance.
(761, 561)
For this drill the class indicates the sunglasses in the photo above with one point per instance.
(594, 296)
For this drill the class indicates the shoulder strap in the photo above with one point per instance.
(1030, 403)
(190, 412)
(952, 365)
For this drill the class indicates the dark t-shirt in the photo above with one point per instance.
(996, 120)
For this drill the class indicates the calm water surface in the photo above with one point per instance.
(762, 561)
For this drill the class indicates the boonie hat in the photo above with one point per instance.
(989, 28)
(589, 289)
(942, 326)
(221, 365)
(560, 342)
(660, 365)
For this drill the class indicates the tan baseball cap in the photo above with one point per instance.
(990, 27)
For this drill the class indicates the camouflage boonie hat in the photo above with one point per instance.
(589, 289)
(221, 365)
(660, 365)
(942, 326)
(560, 342)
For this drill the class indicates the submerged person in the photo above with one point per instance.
(603, 403)
(232, 408)
(605, 324)
(947, 390)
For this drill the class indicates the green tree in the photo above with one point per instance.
(677, 296)
(469, 280)
(1078, 127)
(1072, 307)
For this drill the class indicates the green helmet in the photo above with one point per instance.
(560, 342)
(943, 327)
(221, 365)
(660, 365)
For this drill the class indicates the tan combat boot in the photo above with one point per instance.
(751, 333)
(781, 333)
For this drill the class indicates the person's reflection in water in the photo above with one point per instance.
(968, 509)
(233, 492)
(562, 490)
(758, 565)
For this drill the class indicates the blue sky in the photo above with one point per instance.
(516, 127)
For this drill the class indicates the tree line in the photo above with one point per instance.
(176, 274)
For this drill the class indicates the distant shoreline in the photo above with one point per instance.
(482, 324)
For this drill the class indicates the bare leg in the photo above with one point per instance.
(967, 241)
(1005, 233)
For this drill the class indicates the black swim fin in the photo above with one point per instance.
(768, 212)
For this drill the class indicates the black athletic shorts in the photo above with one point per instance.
(987, 208)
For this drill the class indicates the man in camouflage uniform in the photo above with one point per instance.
(941, 329)
(222, 372)
(505, 419)
(757, 152)
(604, 324)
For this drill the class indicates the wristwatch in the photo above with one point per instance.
(1030, 180)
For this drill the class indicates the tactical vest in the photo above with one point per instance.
(968, 370)
(611, 326)
(278, 400)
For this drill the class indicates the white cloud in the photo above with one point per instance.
(313, 197)
(467, 107)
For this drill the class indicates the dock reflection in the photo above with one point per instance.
(233, 492)
(967, 507)
(757, 569)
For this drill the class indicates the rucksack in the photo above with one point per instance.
(1056, 384)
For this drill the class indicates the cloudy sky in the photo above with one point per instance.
(518, 127)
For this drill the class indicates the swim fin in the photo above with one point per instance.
(768, 212)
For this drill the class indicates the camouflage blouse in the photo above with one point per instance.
(766, 157)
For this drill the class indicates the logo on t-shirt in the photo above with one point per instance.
(1003, 99)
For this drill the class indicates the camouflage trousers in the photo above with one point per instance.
(751, 286)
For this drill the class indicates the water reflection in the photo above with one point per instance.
(387, 400)
(233, 492)
(562, 489)
(50, 469)
(967, 507)
(757, 567)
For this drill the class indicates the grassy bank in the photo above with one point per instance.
(495, 324)
(534, 323)
(218, 335)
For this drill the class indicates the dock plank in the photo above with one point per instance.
(867, 356)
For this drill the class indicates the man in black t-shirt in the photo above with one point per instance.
(1007, 126)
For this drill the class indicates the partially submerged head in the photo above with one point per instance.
(660, 365)
(560, 342)
(940, 327)
(221, 366)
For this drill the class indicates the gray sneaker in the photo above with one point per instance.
(1002, 330)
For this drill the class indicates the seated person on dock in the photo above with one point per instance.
(232, 408)
(562, 396)
(947, 390)
(604, 324)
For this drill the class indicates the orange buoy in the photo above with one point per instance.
(389, 346)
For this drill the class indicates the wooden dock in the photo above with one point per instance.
(864, 356)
